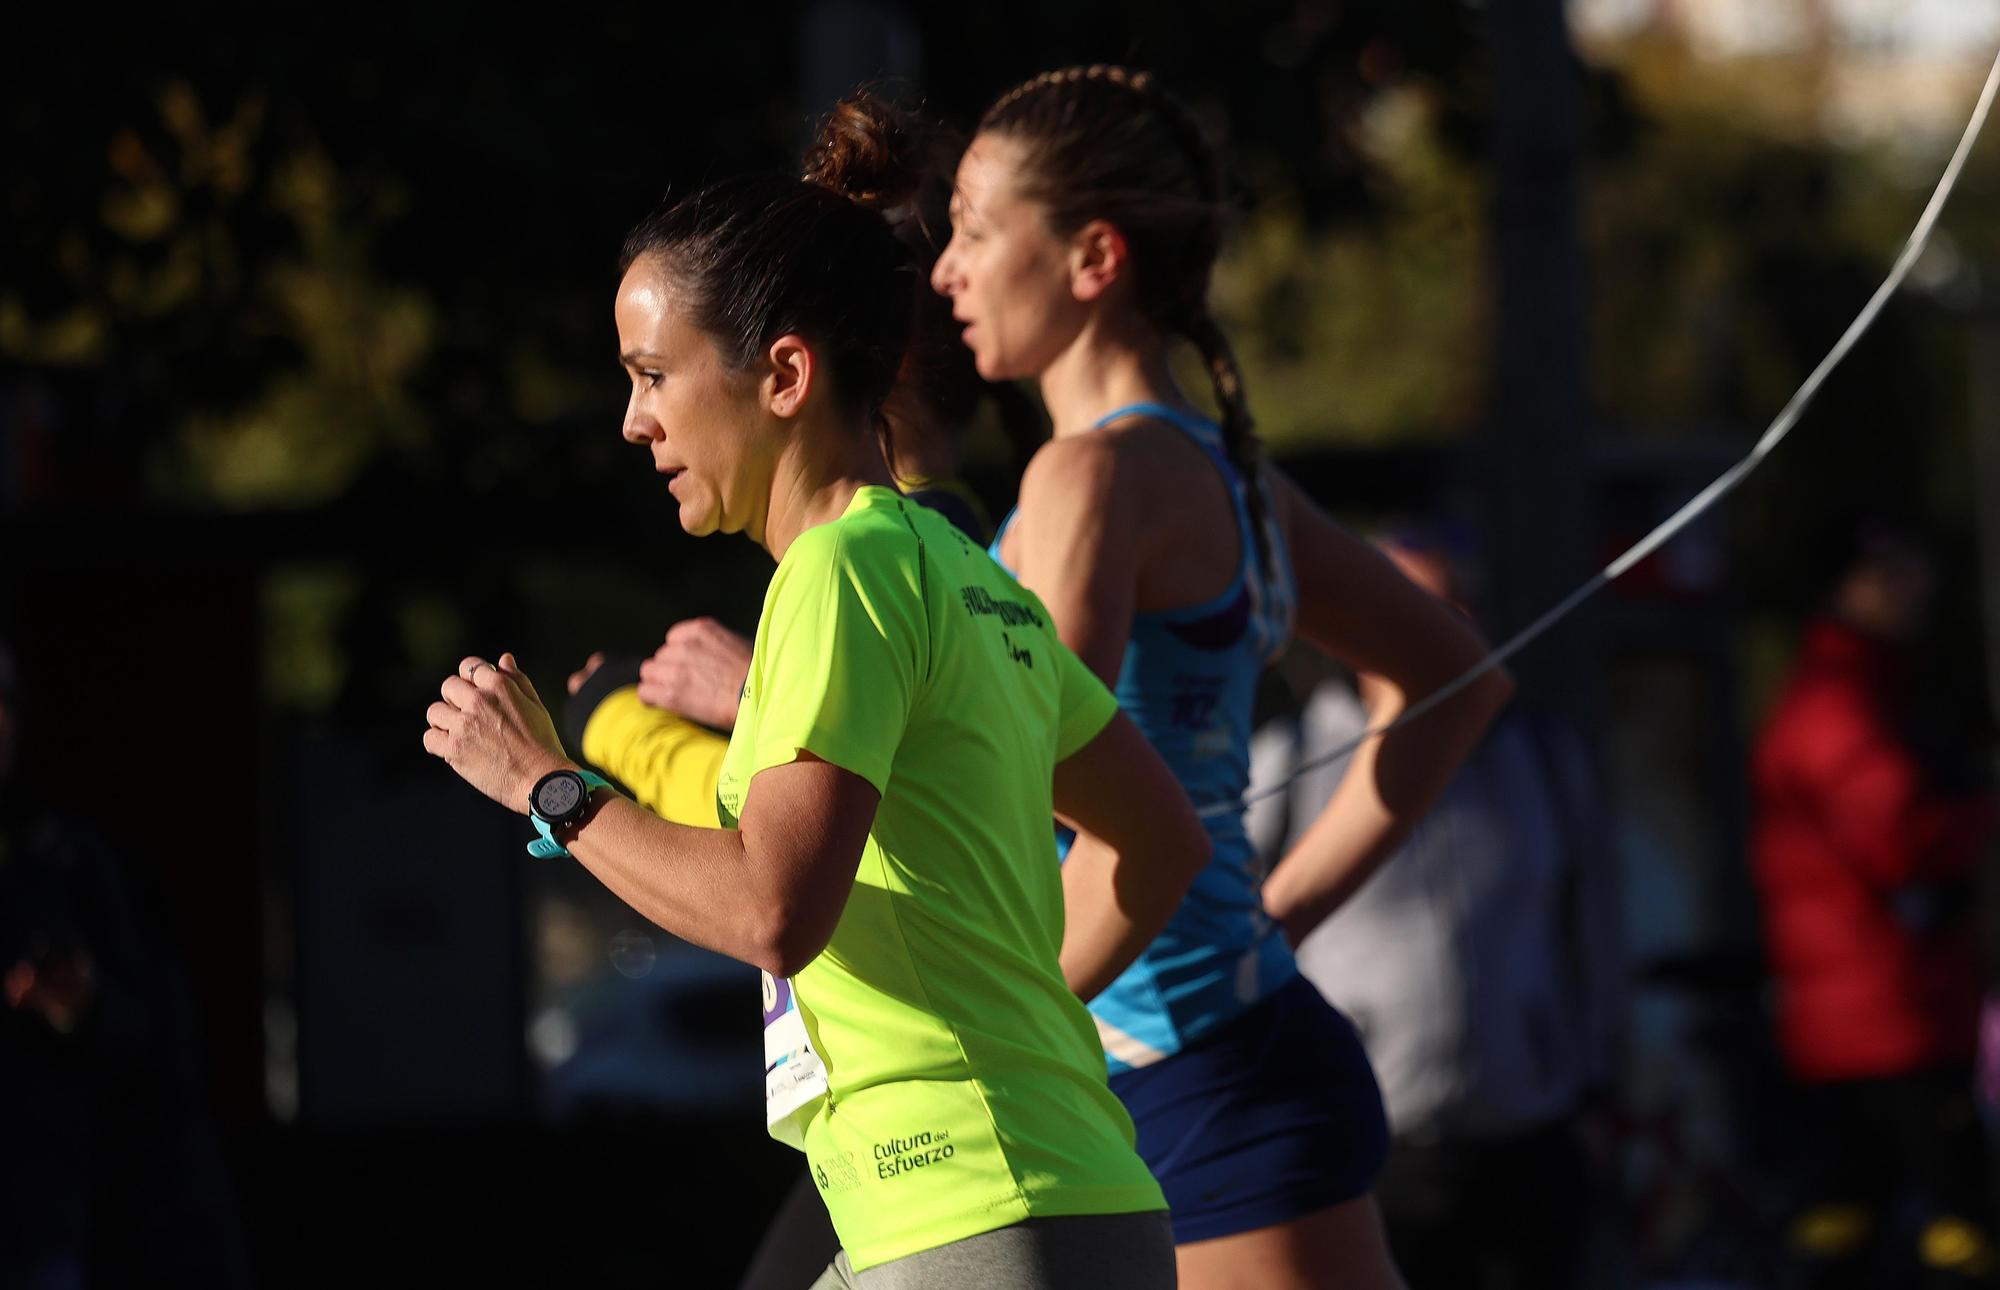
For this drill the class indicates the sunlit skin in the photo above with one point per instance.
(1429, 569)
(743, 451)
(1003, 269)
(1058, 307)
(767, 451)
(1037, 302)
(679, 380)
(769, 448)
(1132, 517)
(698, 671)
(770, 451)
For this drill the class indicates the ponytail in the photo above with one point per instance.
(1239, 430)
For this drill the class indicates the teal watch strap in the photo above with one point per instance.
(546, 847)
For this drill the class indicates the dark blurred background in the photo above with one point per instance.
(307, 389)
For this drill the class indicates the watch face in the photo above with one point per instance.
(558, 795)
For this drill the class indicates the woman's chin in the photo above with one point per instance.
(697, 521)
(991, 368)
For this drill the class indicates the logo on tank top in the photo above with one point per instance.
(1195, 700)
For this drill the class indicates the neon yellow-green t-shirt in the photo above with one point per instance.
(941, 1079)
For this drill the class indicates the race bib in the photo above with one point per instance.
(794, 1077)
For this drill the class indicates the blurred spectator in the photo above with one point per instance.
(109, 1171)
(1480, 965)
(1866, 860)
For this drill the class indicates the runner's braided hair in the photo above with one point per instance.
(1106, 142)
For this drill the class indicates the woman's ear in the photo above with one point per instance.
(788, 382)
(1097, 259)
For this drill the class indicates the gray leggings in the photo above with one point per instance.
(1087, 1252)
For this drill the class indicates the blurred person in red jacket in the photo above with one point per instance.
(1866, 861)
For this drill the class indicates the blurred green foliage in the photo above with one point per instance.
(349, 268)
(1370, 330)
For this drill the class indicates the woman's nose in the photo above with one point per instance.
(640, 428)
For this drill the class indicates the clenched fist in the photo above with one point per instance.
(698, 673)
(491, 727)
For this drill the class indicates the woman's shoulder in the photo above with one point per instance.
(1142, 430)
(874, 535)
(1121, 459)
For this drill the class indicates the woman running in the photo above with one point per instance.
(888, 784)
(1086, 222)
(653, 726)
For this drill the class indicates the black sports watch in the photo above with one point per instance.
(560, 800)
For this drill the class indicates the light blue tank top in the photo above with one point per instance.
(1189, 681)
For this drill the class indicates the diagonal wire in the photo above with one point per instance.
(1707, 497)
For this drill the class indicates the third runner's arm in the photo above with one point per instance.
(637, 722)
(668, 762)
(1357, 607)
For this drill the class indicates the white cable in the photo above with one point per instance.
(1707, 497)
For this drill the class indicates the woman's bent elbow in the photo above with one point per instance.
(785, 964)
(783, 960)
(784, 944)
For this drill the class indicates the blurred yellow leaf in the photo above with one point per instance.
(142, 214)
(77, 337)
(181, 111)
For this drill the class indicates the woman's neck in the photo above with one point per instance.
(817, 477)
(1108, 366)
(925, 453)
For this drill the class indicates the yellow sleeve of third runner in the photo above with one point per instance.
(669, 763)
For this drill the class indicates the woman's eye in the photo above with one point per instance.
(652, 379)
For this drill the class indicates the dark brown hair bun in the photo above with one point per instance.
(873, 152)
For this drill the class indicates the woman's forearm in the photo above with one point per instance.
(1139, 846)
(1108, 923)
(1391, 781)
(769, 892)
(695, 883)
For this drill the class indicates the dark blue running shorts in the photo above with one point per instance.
(1271, 1117)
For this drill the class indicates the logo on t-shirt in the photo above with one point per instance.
(728, 801)
(900, 1156)
(980, 602)
(836, 1174)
